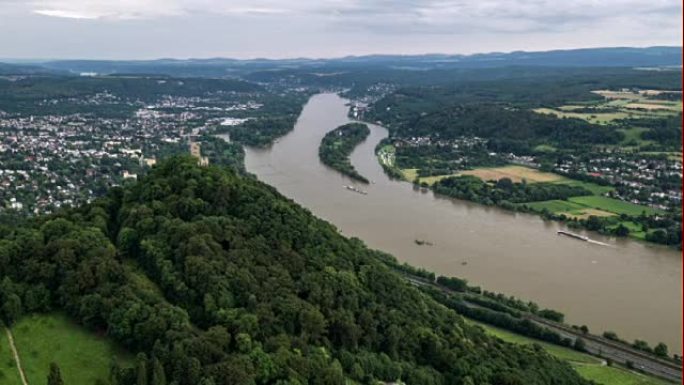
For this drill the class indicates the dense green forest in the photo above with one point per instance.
(214, 278)
(338, 144)
(504, 192)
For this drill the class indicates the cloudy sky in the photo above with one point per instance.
(143, 29)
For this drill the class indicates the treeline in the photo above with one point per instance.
(444, 159)
(504, 320)
(497, 301)
(218, 280)
(504, 192)
(338, 144)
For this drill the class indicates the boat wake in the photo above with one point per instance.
(598, 243)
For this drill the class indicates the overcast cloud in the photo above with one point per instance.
(122, 29)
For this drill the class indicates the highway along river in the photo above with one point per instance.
(625, 286)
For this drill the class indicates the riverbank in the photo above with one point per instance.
(507, 252)
(586, 208)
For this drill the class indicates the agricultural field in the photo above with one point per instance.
(591, 117)
(617, 105)
(614, 205)
(586, 365)
(569, 209)
(514, 173)
(83, 357)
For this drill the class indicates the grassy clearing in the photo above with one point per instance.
(614, 205)
(608, 375)
(410, 174)
(570, 209)
(555, 350)
(635, 230)
(545, 148)
(515, 173)
(586, 213)
(595, 189)
(633, 135)
(589, 367)
(82, 356)
(557, 206)
(8, 370)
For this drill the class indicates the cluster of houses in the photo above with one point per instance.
(49, 161)
(653, 181)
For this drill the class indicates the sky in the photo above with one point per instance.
(148, 29)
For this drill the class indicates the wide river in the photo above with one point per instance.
(625, 286)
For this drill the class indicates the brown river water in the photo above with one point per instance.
(625, 286)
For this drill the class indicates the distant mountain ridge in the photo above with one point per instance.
(662, 56)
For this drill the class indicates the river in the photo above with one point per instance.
(628, 287)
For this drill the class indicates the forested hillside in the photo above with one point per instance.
(338, 144)
(217, 279)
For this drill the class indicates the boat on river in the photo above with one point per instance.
(573, 235)
(355, 189)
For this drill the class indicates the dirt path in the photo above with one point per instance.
(10, 338)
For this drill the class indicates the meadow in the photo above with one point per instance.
(84, 358)
(614, 205)
(8, 369)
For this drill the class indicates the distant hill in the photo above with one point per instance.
(588, 57)
(7, 69)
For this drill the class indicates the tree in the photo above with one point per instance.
(141, 369)
(579, 345)
(158, 375)
(660, 350)
(505, 184)
(54, 376)
(621, 230)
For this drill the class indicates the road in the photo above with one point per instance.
(618, 352)
(596, 345)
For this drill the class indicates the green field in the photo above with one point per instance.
(615, 375)
(614, 205)
(595, 189)
(633, 135)
(8, 371)
(555, 350)
(589, 367)
(82, 356)
(557, 206)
